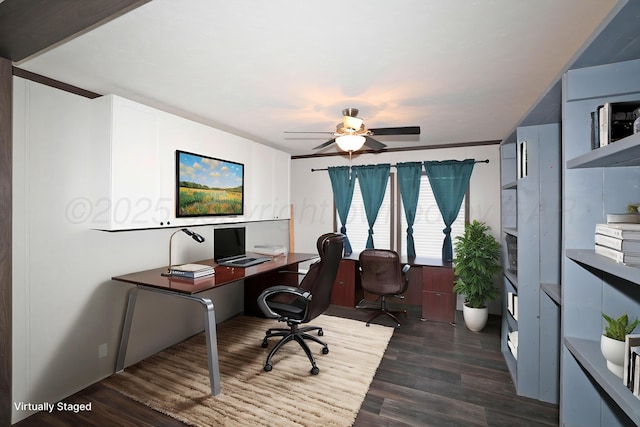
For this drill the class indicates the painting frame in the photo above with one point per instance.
(208, 186)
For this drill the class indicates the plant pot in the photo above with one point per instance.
(475, 318)
(613, 352)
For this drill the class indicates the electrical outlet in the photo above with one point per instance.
(103, 350)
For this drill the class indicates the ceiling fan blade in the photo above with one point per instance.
(325, 144)
(404, 130)
(373, 144)
(326, 133)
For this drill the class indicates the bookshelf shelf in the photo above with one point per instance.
(587, 354)
(553, 290)
(625, 152)
(510, 361)
(511, 230)
(512, 278)
(510, 185)
(589, 258)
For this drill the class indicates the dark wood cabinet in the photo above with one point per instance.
(430, 286)
(438, 298)
(347, 290)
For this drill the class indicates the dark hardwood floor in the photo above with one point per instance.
(432, 374)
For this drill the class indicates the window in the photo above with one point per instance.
(427, 228)
(428, 225)
(357, 226)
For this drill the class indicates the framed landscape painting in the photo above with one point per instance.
(206, 186)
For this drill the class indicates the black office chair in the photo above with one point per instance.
(298, 305)
(381, 274)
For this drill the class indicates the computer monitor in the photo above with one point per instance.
(228, 242)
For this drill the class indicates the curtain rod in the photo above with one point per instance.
(393, 166)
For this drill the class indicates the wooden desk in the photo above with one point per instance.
(153, 281)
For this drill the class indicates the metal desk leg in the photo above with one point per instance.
(126, 328)
(212, 345)
(209, 328)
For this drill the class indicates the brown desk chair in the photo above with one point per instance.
(381, 274)
(298, 305)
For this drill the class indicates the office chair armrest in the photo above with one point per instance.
(405, 271)
(279, 289)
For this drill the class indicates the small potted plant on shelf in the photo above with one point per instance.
(612, 341)
(475, 264)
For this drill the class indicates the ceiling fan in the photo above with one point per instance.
(351, 134)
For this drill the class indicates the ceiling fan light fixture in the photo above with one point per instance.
(352, 123)
(350, 142)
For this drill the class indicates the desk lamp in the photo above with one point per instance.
(195, 236)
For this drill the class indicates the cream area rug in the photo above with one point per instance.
(176, 381)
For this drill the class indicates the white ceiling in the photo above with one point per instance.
(464, 71)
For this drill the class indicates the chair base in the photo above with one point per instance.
(382, 309)
(391, 314)
(298, 335)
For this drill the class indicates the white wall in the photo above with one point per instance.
(312, 197)
(64, 304)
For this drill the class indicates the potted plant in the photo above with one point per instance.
(612, 341)
(475, 264)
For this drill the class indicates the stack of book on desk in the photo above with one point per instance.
(191, 271)
(619, 241)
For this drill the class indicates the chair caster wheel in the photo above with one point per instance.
(320, 332)
(368, 325)
(314, 370)
(265, 344)
(268, 368)
(325, 350)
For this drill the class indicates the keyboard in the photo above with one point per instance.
(243, 261)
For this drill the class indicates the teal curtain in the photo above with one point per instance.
(409, 182)
(342, 186)
(373, 183)
(449, 180)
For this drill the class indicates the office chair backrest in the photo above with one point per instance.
(322, 274)
(381, 272)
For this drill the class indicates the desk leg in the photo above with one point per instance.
(209, 328)
(212, 345)
(126, 328)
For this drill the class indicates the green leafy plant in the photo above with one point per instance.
(619, 328)
(475, 264)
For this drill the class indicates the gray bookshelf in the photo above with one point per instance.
(531, 216)
(595, 182)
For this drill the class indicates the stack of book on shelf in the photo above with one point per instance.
(631, 373)
(619, 242)
(191, 271)
(512, 342)
(512, 304)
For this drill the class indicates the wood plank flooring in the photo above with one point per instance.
(432, 374)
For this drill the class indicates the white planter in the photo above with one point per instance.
(475, 318)
(613, 352)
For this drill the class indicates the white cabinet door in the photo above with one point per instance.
(132, 199)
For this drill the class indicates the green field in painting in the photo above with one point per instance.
(196, 201)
